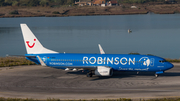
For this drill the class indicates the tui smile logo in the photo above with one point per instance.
(30, 45)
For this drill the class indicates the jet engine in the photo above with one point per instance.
(104, 71)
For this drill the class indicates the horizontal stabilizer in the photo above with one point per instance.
(20, 56)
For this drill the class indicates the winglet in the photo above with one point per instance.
(100, 49)
(41, 61)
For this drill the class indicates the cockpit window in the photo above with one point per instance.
(162, 61)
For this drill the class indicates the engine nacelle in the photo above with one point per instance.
(104, 71)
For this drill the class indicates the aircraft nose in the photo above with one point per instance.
(169, 65)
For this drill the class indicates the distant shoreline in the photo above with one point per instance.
(124, 9)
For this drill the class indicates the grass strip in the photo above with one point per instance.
(120, 99)
(14, 61)
(173, 60)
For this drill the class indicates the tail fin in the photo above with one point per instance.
(33, 46)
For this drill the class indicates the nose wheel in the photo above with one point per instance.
(156, 75)
(159, 72)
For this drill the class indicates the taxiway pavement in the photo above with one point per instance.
(44, 82)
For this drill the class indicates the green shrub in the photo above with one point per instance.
(14, 12)
(55, 12)
(14, 3)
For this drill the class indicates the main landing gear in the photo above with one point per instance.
(89, 74)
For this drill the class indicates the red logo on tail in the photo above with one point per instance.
(29, 45)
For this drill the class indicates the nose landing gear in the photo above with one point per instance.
(159, 72)
(156, 75)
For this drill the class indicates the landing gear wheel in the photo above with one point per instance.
(89, 74)
(156, 75)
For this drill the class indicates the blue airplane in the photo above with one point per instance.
(97, 64)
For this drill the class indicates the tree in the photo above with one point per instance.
(43, 3)
(70, 2)
(1, 2)
(14, 3)
(23, 2)
(8, 2)
(33, 3)
(60, 2)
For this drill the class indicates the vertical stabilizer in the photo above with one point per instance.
(33, 46)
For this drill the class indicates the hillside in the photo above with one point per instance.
(11, 11)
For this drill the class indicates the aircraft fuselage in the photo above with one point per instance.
(121, 62)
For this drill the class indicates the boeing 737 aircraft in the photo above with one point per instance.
(98, 64)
